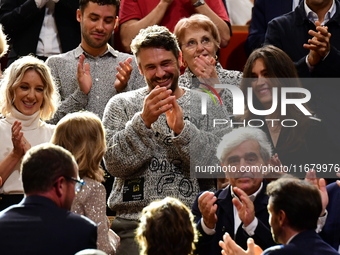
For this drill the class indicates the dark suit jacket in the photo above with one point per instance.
(263, 12)
(313, 150)
(209, 244)
(36, 226)
(305, 243)
(290, 31)
(22, 21)
(331, 231)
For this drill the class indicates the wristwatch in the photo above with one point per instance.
(199, 3)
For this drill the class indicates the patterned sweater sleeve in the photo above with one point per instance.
(201, 135)
(129, 141)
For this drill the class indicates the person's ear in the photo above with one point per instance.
(59, 186)
(116, 22)
(180, 58)
(282, 218)
(78, 15)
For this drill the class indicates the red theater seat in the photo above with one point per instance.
(233, 57)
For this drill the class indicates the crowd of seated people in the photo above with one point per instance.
(90, 110)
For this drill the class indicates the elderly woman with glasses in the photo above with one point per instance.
(82, 134)
(27, 98)
(199, 40)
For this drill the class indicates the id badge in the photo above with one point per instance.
(133, 190)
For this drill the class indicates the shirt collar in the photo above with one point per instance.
(312, 16)
(252, 197)
(295, 3)
(291, 238)
(79, 50)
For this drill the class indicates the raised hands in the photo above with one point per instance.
(208, 208)
(83, 75)
(205, 67)
(174, 117)
(205, 70)
(123, 76)
(229, 247)
(157, 102)
(320, 183)
(319, 45)
(161, 101)
(20, 144)
(244, 206)
(275, 161)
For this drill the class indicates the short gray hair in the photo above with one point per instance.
(233, 139)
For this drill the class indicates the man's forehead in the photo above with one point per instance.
(246, 154)
(107, 10)
(154, 55)
(270, 203)
(249, 147)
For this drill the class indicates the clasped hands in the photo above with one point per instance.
(205, 67)
(20, 144)
(319, 46)
(159, 101)
(208, 208)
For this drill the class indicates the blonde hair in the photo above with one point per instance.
(82, 133)
(14, 74)
(166, 227)
(197, 21)
(3, 42)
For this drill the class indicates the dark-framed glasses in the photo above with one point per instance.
(79, 183)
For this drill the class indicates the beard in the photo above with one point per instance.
(152, 83)
(94, 43)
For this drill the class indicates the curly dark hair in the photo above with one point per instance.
(157, 37)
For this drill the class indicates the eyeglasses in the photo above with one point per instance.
(193, 44)
(79, 183)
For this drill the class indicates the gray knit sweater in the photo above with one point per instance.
(103, 73)
(153, 163)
